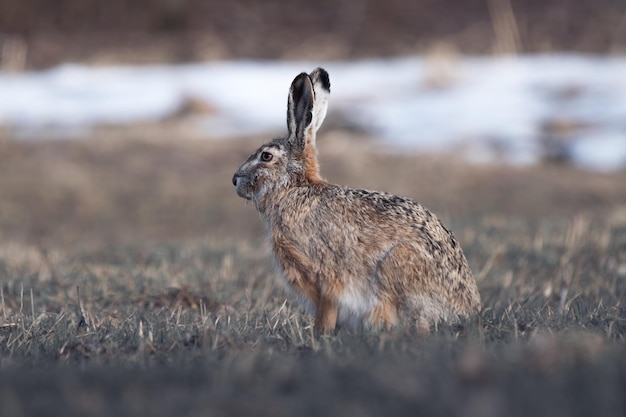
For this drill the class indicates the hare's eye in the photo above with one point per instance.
(266, 156)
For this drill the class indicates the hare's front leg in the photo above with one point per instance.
(326, 314)
(306, 279)
(325, 303)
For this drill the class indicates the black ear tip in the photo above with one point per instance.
(322, 75)
(300, 79)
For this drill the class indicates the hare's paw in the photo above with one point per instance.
(383, 315)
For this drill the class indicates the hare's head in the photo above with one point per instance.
(289, 161)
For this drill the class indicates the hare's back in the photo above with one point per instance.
(400, 217)
(347, 219)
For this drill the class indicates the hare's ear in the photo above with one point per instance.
(300, 109)
(321, 87)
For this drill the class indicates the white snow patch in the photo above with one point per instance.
(492, 108)
(600, 152)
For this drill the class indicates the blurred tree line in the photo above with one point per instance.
(53, 30)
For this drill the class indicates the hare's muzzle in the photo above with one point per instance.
(242, 185)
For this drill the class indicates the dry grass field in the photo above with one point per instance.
(135, 282)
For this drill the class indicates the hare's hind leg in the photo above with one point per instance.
(410, 276)
(384, 314)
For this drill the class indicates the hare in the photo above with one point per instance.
(356, 257)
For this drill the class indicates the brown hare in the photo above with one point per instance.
(356, 257)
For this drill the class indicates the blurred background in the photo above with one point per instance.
(124, 120)
(155, 31)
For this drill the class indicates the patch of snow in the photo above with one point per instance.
(600, 151)
(491, 108)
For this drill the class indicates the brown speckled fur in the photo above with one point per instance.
(357, 257)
